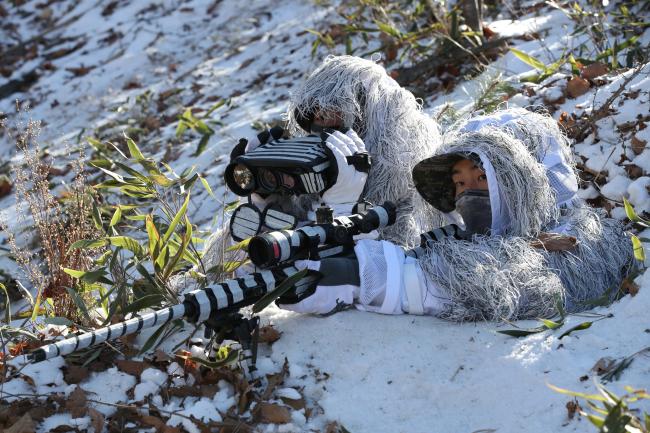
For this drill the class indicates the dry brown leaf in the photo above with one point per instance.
(572, 407)
(628, 286)
(293, 403)
(161, 356)
(633, 171)
(77, 403)
(96, 419)
(75, 374)
(554, 242)
(638, 145)
(24, 425)
(272, 413)
(268, 334)
(153, 421)
(128, 366)
(80, 71)
(594, 70)
(603, 365)
(577, 86)
(5, 185)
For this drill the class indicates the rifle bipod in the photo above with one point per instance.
(235, 326)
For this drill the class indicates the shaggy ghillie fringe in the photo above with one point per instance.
(528, 201)
(543, 137)
(492, 278)
(603, 257)
(390, 121)
(504, 277)
(536, 129)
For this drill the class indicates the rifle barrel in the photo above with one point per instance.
(82, 341)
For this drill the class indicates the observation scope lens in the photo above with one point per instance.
(243, 177)
(267, 179)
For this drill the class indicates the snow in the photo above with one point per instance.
(370, 372)
(63, 419)
(109, 386)
(616, 188)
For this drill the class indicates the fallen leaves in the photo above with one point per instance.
(268, 334)
(76, 403)
(573, 407)
(638, 145)
(272, 413)
(134, 368)
(24, 425)
(577, 87)
(80, 71)
(594, 70)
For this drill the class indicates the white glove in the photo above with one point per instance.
(349, 182)
(325, 299)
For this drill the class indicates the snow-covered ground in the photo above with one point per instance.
(369, 372)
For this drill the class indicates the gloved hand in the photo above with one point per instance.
(350, 180)
(335, 291)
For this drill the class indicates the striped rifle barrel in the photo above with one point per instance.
(198, 306)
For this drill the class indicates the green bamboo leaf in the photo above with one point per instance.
(154, 237)
(182, 249)
(85, 244)
(141, 178)
(177, 218)
(216, 106)
(81, 305)
(617, 48)
(104, 163)
(127, 243)
(523, 332)
(580, 327)
(243, 245)
(57, 321)
(233, 357)
(134, 150)
(629, 211)
(161, 180)
(203, 142)
(231, 206)
(206, 185)
(280, 290)
(117, 216)
(639, 252)
(528, 59)
(388, 29)
(90, 277)
(147, 301)
(97, 217)
(596, 397)
(550, 324)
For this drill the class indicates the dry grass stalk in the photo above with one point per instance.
(57, 222)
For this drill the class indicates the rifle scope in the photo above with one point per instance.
(272, 248)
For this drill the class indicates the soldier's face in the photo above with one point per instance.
(328, 119)
(466, 175)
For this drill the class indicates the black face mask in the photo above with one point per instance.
(474, 206)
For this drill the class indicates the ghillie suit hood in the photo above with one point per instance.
(541, 135)
(389, 120)
(502, 276)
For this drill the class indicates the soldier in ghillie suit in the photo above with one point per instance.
(518, 253)
(357, 97)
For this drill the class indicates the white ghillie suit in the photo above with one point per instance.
(389, 120)
(501, 276)
(544, 140)
(396, 132)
